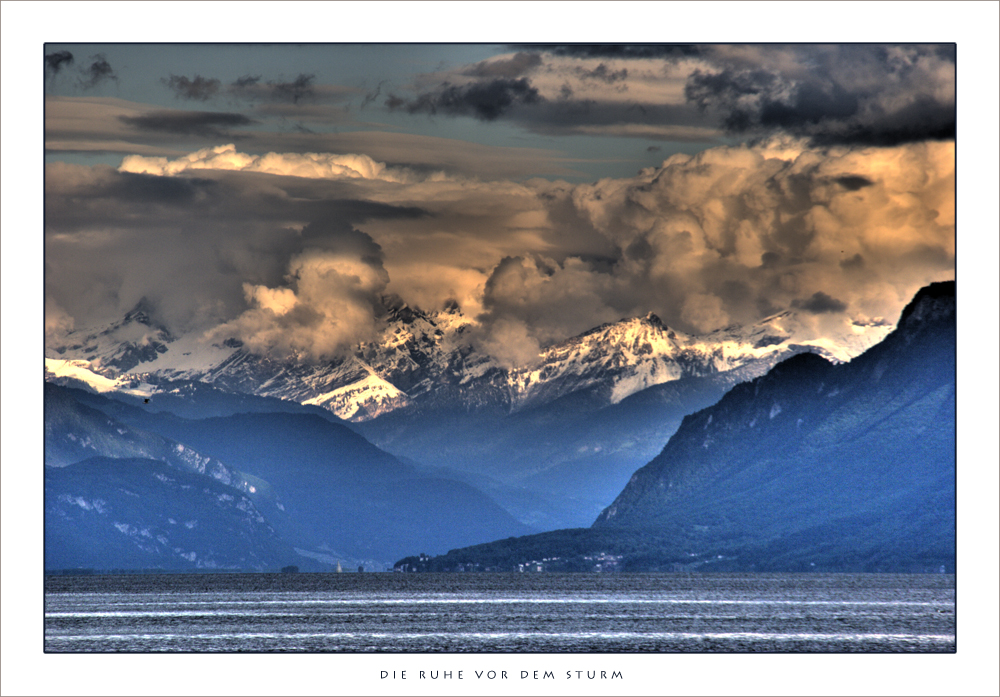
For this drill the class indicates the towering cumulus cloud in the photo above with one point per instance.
(290, 252)
(329, 299)
(711, 185)
(733, 234)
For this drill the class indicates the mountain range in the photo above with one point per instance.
(429, 360)
(552, 441)
(812, 466)
(128, 488)
(164, 453)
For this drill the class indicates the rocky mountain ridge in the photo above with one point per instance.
(430, 361)
(127, 488)
(814, 466)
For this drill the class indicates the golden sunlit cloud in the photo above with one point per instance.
(729, 235)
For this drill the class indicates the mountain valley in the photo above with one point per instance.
(555, 440)
(421, 441)
(813, 466)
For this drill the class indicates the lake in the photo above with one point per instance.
(499, 613)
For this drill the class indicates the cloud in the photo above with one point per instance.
(57, 322)
(207, 124)
(506, 67)
(190, 243)
(602, 73)
(732, 235)
(819, 303)
(97, 72)
(373, 95)
(630, 51)
(865, 94)
(310, 165)
(294, 91)
(861, 94)
(544, 300)
(276, 247)
(853, 183)
(297, 92)
(329, 300)
(508, 341)
(199, 88)
(147, 188)
(620, 94)
(485, 100)
(92, 124)
(54, 62)
(704, 312)
(302, 88)
(246, 82)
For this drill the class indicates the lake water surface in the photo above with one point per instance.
(494, 613)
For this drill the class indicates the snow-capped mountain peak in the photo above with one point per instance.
(119, 347)
(427, 358)
(80, 372)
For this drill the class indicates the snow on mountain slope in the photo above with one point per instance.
(786, 327)
(621, 358)
(74, 372)
(136, 344)
(427, 359)
(372, 395)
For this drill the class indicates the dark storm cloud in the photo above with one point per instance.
(245, 82)
(811, 105)
(515, 66)
(855, 262)
(676, 122)
(330, 298)
(925, 119)
(729, 88)
(199, 88)
(830, 94)
(487, 100)
(55, 61)
(108, 197)
(190, 244)
(302, 88)
(98, 71)
(869, 95)
(373, 95)
(239, 197)
(602, 73)
(147, 188)
(819, 303)
(854, 183)
(338, 236)
(357, 210)
(520, 101)
(632, 51)
(553, 94)
(208, 124)
(249, 87)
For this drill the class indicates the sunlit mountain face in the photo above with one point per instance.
(513, 269)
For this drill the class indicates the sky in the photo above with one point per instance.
(284, 195)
